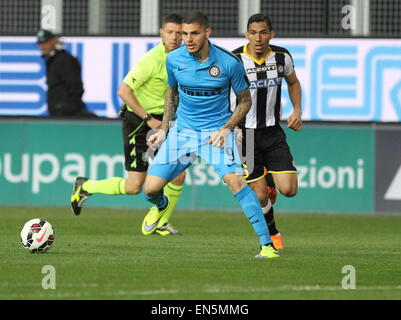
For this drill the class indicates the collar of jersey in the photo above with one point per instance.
(254, 59)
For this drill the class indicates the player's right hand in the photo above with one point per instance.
(156, 139)
(294, 121)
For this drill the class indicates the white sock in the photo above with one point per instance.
(267, 207)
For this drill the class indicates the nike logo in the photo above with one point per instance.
(148, 228)
(181, 69)
(41, 238)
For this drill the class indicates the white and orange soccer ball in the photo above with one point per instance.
(37, 235)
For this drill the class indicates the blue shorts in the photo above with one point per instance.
(183, 147)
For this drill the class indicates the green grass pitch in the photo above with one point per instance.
(103, 255)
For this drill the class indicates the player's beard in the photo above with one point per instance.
(196, 53)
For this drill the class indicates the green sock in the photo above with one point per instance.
(111, 186)
(173, 193)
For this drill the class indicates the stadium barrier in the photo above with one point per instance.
(343, 168)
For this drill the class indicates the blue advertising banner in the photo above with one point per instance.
(342, 79)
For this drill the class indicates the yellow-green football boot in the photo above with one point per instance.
(151, 220)
(79, 195)
(268, 251)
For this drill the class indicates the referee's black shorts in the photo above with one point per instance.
(270, 151)
(134, 131)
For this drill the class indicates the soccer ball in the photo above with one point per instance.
(37, 235)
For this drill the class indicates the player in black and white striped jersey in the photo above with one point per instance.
(266, 66)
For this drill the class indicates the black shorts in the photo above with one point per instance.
(134, 131)
(270, 151)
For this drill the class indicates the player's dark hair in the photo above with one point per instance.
(196, 17)
(172, 18)
(260, 17)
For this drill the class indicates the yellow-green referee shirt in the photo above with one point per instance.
(148, 80)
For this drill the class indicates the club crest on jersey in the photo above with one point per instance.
(214, 71)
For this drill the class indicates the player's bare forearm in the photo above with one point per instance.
(294, 91)
(126, 94)
(169, 107)
(294, 121)
(244, 105)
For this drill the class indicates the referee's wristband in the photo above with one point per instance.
(148, 117)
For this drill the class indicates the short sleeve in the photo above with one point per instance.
(289, 65)
(172, 81)
(239, 80)
(140, 74)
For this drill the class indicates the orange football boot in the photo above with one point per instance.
(278, 241)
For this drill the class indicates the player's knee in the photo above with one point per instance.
(150, 191)
(289, 191)
(133, 189)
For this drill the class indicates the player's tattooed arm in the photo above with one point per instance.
(243, 106)
(217, 138)
(170, 106)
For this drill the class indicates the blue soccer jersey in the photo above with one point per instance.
(204, 107)
(204, 89)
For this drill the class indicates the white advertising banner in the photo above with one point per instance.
(341, 79)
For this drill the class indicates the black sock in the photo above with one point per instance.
(269, 217)
(270, 181)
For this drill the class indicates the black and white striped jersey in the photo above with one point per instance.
(265, 77)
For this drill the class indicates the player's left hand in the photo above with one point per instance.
(294, 121)
(218, 138)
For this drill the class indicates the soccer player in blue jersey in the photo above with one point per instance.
(201, 75)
